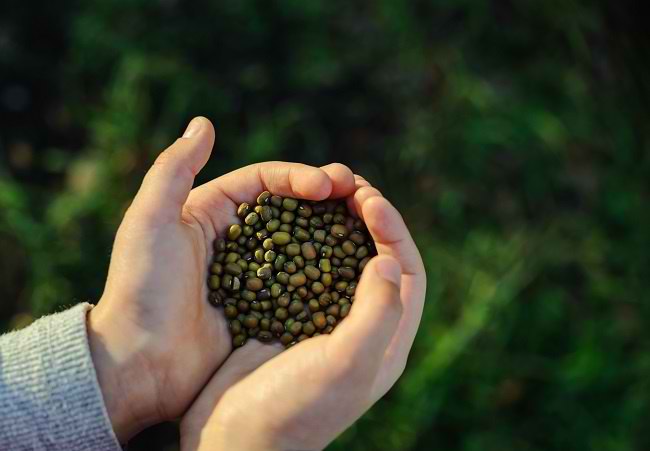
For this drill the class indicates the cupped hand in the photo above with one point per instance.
(154, 339)
(302, 398)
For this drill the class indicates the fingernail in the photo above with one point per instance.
(389, 269)
(193, 128)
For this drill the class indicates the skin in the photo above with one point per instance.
(156, 343)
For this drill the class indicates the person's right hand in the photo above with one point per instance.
(301, 399)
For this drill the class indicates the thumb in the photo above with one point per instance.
(167, 184)
(362, 338)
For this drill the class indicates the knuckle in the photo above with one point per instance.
(341, 166)
(163, 158)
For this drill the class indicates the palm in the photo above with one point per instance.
(157, 284)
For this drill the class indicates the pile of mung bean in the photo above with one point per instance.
(289, 270)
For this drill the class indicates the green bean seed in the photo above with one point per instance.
(280, 260)
(320, 235)
(281, 238)
(305, 210)
(287, 217)
(347, 273)
(233, 269)
(216, 269)
(215, 282)
(319, 320)
(333, 310)
(301, 234)
(239, 340)
(313, 305)
(284, 299)
(269, 256)
(348, 247)
(289, 204)
(312, 272)
(266, 214)
(331, 240)
(290, 267)
(297, 280)
(308, 251)
(362, 252)
(254, 284)
(286, 338)
(252, 218)
(265, 272)
(299, 261)
(295, 329)
(293, 249)
(277, 328)
(234, 232)
(215, 299)
(273, 225)
(243, 210)
(309, 328)
(235, 327)
(325, 299)
(263, 198)
(230, 311)
(281, 313)
(296, 307)
(325, 265)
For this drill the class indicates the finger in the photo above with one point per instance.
(167, 184)
(358, 344)
(361, 195)
(342, 180)
(392, 237)
(360, 181)
(278, 177)
(389, 231)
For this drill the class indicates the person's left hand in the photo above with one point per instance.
(154, 339)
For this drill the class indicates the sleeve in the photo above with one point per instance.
(50, 397)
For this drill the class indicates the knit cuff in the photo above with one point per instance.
(49, 393)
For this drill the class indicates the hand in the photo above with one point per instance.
(302, 398)
(154, 339)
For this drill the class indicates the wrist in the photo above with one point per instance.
(121, 371)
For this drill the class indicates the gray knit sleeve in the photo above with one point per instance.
(50, 398)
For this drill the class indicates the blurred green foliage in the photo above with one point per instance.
(513, 135)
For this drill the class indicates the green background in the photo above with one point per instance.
(513, 135)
